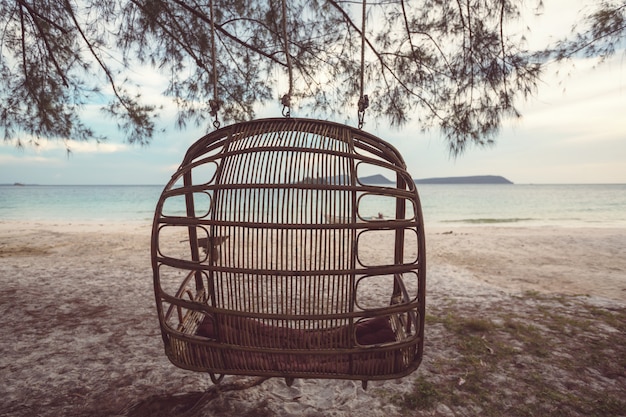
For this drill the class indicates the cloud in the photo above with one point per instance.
(90, 147)
(77, 147)
(7, 159)
(170, 168)
(38, 146)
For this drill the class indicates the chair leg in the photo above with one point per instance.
(214, 379)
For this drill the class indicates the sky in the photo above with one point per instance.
(573, 131)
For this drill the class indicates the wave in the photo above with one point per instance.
(487, 220)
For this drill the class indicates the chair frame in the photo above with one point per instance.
(261, 255)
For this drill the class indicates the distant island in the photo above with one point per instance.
(314, 180)
(473, 179)
(375, 180)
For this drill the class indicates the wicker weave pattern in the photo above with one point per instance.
(261, 237)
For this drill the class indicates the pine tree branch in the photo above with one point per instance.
(220, 28)
(95, 55)
(44, 38)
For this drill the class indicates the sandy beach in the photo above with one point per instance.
(80, 334)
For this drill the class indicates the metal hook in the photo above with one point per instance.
(364, 103)
(215, 108)
(286, 102)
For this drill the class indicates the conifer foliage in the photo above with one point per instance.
(451, 65)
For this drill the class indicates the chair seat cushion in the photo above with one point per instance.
(243, 331)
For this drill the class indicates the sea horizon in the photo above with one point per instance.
(443, 205)
(19, 184)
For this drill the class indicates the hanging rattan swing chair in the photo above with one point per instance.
(270, 258)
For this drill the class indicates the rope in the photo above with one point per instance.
(215, 103)
(286, 99)
(364, 101)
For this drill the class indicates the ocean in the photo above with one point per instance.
(443, 205)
